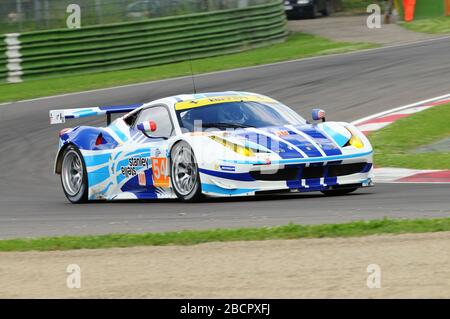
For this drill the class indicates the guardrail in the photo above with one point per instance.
(3, 60)
(140, 44)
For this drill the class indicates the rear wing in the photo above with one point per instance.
(60, 116)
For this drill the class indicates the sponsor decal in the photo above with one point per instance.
(282, 133)
(227, 168)
(57, 117)
(128, 171)
(188, 104)
(134, 163)
(142, 179)
(139, 161)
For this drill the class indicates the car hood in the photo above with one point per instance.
(294, 141)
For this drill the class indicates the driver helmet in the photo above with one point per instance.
(233, 114)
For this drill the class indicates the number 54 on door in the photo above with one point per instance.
(160, 172)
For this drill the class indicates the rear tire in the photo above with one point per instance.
(74, 179)
(184, 173)
(339, 192)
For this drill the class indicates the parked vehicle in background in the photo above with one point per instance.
(307, 8)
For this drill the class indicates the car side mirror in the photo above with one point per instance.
(147, 127)
(318, 114)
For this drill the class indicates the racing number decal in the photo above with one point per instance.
(159, 169)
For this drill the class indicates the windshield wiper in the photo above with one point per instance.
(226, 125)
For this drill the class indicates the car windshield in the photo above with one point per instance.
(237, 115)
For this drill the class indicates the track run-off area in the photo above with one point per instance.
(348, 86)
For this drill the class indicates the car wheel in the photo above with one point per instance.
(339, 192)
(74, 176)
(184, 173)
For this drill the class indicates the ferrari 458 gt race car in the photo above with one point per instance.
(214, 144)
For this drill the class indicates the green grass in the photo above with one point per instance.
(428, 9)
(291, 231)
(298, 45)
(435, 25)
(357, 6)
(394, 144)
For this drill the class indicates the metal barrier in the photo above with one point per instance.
(140, 44)
(3, 60)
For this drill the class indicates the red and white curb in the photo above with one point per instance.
(377, 121)
(383, 119)
(404, 175)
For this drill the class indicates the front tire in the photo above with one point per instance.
(184, 173)
(339, 192)
(74, 176)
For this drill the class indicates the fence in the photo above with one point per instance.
(140, 44)
(3, 61)
(30, 15)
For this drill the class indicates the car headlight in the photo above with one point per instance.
(245, 151)
(354, 140)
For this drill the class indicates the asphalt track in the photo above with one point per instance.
(347, 86)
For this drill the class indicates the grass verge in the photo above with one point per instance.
(291, 231)
(394, 144)
(434, 25)
(357, 6)
(298, 45)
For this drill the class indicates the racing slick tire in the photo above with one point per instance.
(184, 173)
(74, 176)
(339, 192)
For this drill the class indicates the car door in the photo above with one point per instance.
(142, 167)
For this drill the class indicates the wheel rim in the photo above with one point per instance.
(72, 173)
(185, 171)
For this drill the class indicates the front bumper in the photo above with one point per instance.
(238, 179)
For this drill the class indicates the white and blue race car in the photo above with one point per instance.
(214, 144)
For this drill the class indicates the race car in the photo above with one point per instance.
(213, 144)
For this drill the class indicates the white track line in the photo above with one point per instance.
(378, 115)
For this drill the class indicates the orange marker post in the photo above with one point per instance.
(409, 6)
